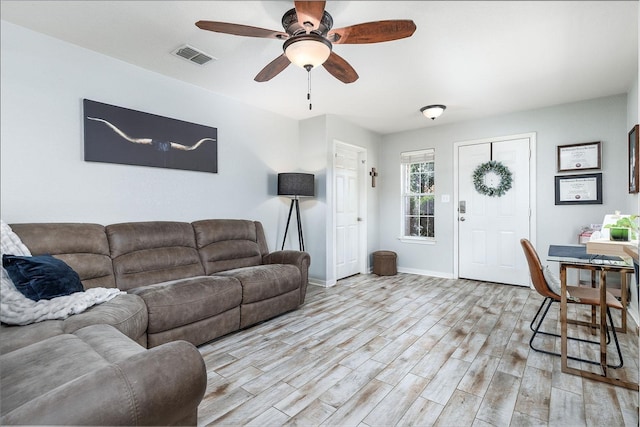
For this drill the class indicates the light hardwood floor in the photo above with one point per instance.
(409, 350)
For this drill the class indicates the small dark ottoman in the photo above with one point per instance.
(384, 263)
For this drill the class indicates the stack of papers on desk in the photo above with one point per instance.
(579, 253)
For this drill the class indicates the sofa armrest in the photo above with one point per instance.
(160, 386)
(300, 259)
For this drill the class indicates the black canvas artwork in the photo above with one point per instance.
(120, 135)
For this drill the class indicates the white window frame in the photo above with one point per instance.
(406, 159)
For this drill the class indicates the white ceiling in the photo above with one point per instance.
(479, 58)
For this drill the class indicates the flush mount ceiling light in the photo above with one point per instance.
(433, 111)
(308, 50)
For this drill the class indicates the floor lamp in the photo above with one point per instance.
(295, 185)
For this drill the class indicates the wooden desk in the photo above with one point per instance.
(609, 247)
(602, 269)
(631, 251)
(579, 258)
(599, 269)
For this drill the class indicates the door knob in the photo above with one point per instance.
(462, 218)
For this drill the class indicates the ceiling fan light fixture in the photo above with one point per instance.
(433, 111)
(308, 50)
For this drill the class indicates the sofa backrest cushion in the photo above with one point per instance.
(84, 247)
(225, 244)
(145, 253)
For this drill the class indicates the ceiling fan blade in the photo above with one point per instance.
(309, 12)
(340, 69)
(273, 68)
(241, 30)
(373, 32)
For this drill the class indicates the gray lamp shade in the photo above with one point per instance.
(296, 184)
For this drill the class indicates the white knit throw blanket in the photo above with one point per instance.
(16, 309)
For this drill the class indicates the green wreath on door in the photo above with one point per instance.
(492, 179)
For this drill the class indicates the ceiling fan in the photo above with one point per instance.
(309, 38)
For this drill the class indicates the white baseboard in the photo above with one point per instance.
(419, 272)
(327, 284)
(322, 283)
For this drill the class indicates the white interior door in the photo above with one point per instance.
(347, 203)
(490, 228)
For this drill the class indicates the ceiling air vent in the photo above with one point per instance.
(192, 54)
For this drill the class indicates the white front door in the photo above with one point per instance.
(347, 204)
(490, 228)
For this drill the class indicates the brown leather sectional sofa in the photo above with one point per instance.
(132, 360)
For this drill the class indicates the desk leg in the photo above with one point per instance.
(563, 318)
(593, 308)
(603, 321)
(623, 296)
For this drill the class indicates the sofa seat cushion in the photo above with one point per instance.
(13, 337)
(98, 376)
(126, 312)
(261, 282)
(39, 368)
(181, 302)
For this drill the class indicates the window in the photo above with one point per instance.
(418, 194)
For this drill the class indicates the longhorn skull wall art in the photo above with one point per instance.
(120, 135)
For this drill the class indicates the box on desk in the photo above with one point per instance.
(584, 237)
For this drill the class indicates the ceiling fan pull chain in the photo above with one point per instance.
(309, 87)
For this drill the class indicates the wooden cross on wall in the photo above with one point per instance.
(373, 175)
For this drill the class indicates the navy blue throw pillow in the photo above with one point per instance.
(41, 277)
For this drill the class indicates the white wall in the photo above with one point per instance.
(314, 157)
(602, 119)
(44, 176)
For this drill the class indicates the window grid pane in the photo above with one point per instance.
(419, 199)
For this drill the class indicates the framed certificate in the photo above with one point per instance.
(585, 156)
(634, 154)
(579, 189)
